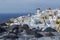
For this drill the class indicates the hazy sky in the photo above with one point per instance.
(21, 6)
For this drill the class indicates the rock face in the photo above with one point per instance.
(49, 29)
(3, 24)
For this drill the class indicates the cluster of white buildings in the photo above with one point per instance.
(41, 19)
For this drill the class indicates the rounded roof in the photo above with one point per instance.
(49, 8)
(38, 9)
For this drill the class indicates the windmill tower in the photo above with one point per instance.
(38, 11)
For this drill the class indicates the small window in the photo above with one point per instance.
(46, 17)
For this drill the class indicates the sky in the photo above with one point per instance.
(25, 6)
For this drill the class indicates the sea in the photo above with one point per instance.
(6, 16)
